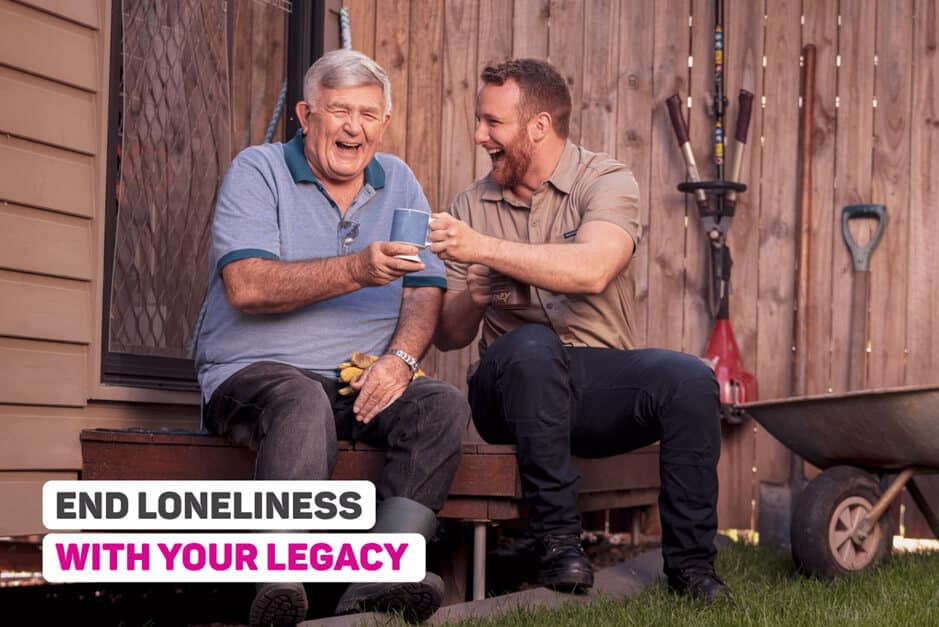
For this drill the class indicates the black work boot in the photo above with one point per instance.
(564, 565)
(278, 603)
(699, 582)
(414, 601)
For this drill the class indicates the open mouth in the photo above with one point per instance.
(347, 146)
(496, 155)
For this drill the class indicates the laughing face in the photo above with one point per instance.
(502, 133)
(342, 131)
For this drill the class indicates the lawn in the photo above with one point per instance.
(767, 591)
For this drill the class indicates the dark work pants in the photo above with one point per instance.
(552, 400)
(293, 418)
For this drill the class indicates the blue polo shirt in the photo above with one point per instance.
(270, 206)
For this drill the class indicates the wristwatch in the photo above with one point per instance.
(410, 360)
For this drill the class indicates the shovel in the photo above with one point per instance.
(860, 289)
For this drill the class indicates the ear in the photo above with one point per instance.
(303, 110)
(539, 126)
(384, 125)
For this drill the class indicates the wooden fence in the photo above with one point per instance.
(876, 139)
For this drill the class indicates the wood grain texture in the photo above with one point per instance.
(494, 45)
(601, 56)
(392, 53)
(635, 111)
(530, 28)
(777, 232)
(566, 53)
(821, 29)
(744, 41)
(362, 17)
(889, 186)
(853, 146)
(667, 232)
(923, 284)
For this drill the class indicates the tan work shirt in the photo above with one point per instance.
(584, 187)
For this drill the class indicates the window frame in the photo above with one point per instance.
(306, 39)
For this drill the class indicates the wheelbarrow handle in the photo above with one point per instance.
(861, 255)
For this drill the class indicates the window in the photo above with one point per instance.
(192, 83)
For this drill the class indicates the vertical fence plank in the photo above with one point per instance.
(362, 15)
(566, 52)
(635, 110)
(457, 151)
(890, 168)
(777, 221)
(697, 320)
(530, 29)
(425, 74)
(922, 284)
(601, 52)
(495, 46)
(821, 29)
(923, 311)
(666, 237)
(391, 52)
(852, 163)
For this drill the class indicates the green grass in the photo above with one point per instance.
(903, 592)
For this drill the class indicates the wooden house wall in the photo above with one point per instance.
(876, 140)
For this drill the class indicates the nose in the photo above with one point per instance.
(481, 134)
(353, 124)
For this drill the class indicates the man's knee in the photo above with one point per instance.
(447, 413)
(531, 342)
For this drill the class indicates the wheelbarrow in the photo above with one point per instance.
(862, 440)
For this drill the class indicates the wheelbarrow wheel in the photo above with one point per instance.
(824, 521)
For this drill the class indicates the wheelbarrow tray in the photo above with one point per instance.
(882, 429)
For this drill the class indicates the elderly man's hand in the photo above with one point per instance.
(377, 265)
(380, 385)
(455, 240)
(478, 284)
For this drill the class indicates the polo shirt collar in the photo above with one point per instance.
(301, 172)
(565, 172)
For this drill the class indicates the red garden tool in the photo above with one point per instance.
(716, 201)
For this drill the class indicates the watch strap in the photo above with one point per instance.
(407, 358)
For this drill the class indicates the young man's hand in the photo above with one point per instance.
(478, 285)
(453, 239)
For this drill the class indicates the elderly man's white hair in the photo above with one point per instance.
(345, 68)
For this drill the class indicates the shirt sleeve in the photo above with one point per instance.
(433, 274)
(245, 223)
(613, 197)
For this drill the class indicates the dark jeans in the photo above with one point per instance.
(552, 400)
(293, 419)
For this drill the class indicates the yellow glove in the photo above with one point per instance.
(350, 371)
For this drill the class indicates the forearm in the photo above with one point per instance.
(263, 286)
(420, 308)
(459, 321)
(570, 268)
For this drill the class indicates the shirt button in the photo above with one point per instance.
(550, 305)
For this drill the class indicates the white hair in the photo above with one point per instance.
(345, 68)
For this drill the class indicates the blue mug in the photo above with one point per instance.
(410, 226)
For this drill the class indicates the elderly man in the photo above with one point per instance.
(563, 375)
(302, 276)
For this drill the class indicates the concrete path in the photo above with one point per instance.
(626, 579)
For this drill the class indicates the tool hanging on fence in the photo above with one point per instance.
(716, 201)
